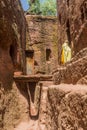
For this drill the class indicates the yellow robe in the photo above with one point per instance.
(66, 53)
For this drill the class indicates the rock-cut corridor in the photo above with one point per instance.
(37, 92)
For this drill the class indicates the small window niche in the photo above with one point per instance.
(13, 53)
(68, 3)
(29, 62)
(48, 54)
(68, 31)
(29, 54)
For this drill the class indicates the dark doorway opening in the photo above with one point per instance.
(48, 54)
(32, 86)
(82, 14)
(13, 53)
(68, 2)
(29, 53)
(68, 31)
(29, 62)
(60, 18)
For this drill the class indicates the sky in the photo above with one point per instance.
(25, 4)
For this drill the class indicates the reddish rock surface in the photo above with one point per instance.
(72, 16)
(42, 38)
(12, 41)
(63, 107)
(66, 107)
(73, 72)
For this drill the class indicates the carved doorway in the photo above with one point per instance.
(29, 62)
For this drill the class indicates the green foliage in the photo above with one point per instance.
(48, 7)
(34, 7)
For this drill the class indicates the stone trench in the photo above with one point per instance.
(56, 97)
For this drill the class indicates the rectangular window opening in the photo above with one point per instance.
(48, 54)
(29, 53)
(29, 62)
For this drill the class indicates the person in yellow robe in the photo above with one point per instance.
(66, 52)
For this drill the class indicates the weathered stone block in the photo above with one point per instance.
(42, 38)
(66, 107)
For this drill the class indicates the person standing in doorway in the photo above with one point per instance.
(66, 52)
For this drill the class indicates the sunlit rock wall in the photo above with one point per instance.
(72, 25)
(74, 71)
(66, 107)
(72, 17)
(42, 37)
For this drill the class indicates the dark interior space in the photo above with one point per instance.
(32, 86)
(68, 2)
(29, 53)
(82, 14)
(68, 31)
(59, 18)
(13, 53)
(48, 54)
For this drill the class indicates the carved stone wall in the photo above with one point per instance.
(12, 39)
(73, 71)
(66, 107)
(43, 39)
(72, 16)
(12, 44)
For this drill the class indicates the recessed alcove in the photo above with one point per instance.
(48, 54)
(13, 53)
(29, 54)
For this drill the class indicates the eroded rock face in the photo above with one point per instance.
(13, 108)
(72, 15)
(74, 71)
(66, 107)
(42, 38)
(12, 41)
(11, 32)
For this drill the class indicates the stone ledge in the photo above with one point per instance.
(82, 89)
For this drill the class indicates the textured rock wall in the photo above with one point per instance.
(12, 38)
(13, 107)
(72, 16)
(42, 38)
(12, 44)
(74, 71)
(66, 107)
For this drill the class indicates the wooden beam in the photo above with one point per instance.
(32, 78)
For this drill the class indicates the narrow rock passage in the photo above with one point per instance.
(36, 123)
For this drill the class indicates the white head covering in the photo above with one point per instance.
(65, 43)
